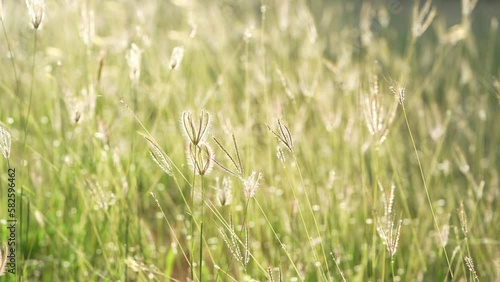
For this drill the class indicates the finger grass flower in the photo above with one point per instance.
(36, 11)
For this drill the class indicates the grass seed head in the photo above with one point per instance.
(463, 219)
(133, 57)
(102, 199)
(233, 243)
(422, 17)
(5, 142)
(387, 227)
(176, 57)
(195, 132)
(470, 266)
(468, 6)
(1, 10)
(377, 119)
(280, 154)
(200, 158)
(36, 11)
(150, 271)
(445, 232)
(87, 25)
(399, 92)
(224, 191)
(158, 156)
(236, 160)
(251, 184)
(283, 135)
(4, 253)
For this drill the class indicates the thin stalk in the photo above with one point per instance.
(247, 77)
(192, 226)
(392, 269)
(201, 231)
(169, 226)
(126, 245)
(338, 267)
(383, 264)
(201, 250)
(374, 201)
(426, 189)
(301, 214)
(279, 241)
(31, 92)
(25, 141)
(313, 216)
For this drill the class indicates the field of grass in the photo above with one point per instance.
(249, 141)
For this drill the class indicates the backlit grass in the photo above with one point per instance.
(252, 140)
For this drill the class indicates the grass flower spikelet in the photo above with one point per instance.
(134, 57)
(200, 158)
(251, 184)
(36, 11)
(195, 132)
(5, 142)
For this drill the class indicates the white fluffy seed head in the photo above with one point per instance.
(377, 118)
(224, 191)
(87, 25)
(160, 159)
(5, 142)
(423, 15)
(195, 132)
(133, 57)
(251, 184)
(200, 158)
(1, 10)
(176, 57)
(36, 11)
(4, 254)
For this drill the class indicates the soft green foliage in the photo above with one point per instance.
(336, 128)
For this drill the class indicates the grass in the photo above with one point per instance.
(251, 141)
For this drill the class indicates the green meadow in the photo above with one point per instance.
(235, 140)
